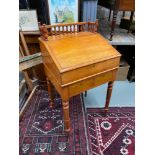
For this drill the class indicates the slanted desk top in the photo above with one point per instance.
(76, 62)
(79, 49)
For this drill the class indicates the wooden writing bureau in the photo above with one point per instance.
(76, 58)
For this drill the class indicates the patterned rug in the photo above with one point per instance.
(41, 128)
(111, 135)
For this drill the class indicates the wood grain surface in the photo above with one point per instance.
(76, 62)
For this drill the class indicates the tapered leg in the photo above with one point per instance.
(65, 105)
(113, 24)
(51, 93)
(123, 14)
(109, 92)
(109, 15)
(131, 19)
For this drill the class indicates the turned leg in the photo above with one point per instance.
(50, 92)
(131, 19)
(123, 14)
(109, 15)
(109, 92)
(113, 24)
(65, 105)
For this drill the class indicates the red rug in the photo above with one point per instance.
(41, 128)
(111, 135)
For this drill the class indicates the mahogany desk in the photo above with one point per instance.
(76, 62)
(118, 5)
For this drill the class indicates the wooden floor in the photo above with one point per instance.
(121, 36)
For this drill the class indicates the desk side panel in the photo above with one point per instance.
(53, 79)
(48, 61)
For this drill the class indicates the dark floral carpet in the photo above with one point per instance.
(41, 128)
(113, 134)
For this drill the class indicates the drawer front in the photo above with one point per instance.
(127, 5)
(92, 69)
(92, 82)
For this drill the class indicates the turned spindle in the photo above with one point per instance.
(67, 29)
(55, 32)
(88, 26)
(96, 25)
(63, 29)
(74, 28)
(70, 28)
(58, 29)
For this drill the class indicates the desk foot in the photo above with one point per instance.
(109, 92)
(51, 105)
(66, 115)
(67, 130)
(105, 112)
